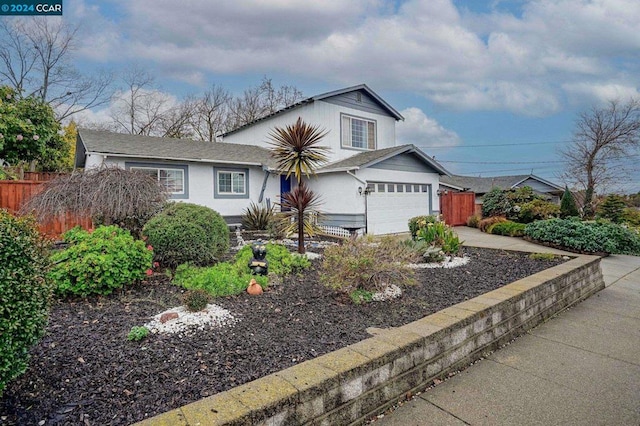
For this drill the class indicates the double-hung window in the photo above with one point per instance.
(358, 133)
(171, 179)
(231, 182)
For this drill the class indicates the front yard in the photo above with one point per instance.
(85, 371)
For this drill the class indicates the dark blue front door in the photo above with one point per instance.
(285, 186)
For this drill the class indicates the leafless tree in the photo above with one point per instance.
(108, 194)
(140, 107)
(35, 59)
(603, 140)
(211, 113)
(260, 101)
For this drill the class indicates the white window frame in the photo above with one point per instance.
(231, 174)
(369, 132)
(162, 180)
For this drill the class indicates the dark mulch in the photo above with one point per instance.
(85, 371)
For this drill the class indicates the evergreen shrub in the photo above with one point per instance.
(187, 233)
(24, 293)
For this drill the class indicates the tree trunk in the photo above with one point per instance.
(301, 249)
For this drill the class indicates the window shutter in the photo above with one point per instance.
(346, 131)
(371, 135)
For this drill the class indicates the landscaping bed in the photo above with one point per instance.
(85, 371)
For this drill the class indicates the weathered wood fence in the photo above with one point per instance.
(15, 193)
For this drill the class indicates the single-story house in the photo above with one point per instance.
(369, 182)
(481, 185)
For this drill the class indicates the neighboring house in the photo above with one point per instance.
(369, 182)
(481, 185)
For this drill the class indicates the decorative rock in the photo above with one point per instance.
(254, 288)
(168, 316)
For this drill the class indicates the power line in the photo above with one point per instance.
(493, 145)
(500, 162)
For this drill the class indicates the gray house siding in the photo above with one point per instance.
(362, 103)
(404, 162)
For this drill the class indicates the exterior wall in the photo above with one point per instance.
(542, 188)
(200, 180)
(323, 114)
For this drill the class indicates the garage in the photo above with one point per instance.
(390, 205)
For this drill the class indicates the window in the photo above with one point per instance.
(171, 179)
(381, 187)
(358, 133)
(231, 183)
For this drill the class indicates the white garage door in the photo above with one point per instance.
(391, 205)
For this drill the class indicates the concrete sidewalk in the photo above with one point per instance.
(580, 368)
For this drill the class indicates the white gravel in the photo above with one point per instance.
(448, 262)
(390, 292)
(212, 315)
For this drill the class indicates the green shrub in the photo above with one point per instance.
(568, 207)
(257, 217)
(593, 237)
(484, 224)
(187, 233)
(24, 293)
(137, 333)
(418, 222)
(424, 252)
(99, 262)
(495, 203)
(473, 221)
(612, 208)
(439, 234)
(631, 216)
(196, 300)
(508, 228)
(222, 279)
(536, 210)
(361, 296)
(281, 261)
(542, 256)
(225, 279)
(359, 264)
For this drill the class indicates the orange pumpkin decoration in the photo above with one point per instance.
(254, 288)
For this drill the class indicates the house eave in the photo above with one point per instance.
(192, 160)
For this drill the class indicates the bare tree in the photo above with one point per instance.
(139, 108)
(260, 101)
(603, 139)
(177, 122)
(35, 60)
(211, 114)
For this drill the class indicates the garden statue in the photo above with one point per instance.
(258, 264)
(254, 288)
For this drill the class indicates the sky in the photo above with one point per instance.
(487, 87)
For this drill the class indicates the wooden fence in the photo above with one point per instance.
(456, 207)
(15, 193)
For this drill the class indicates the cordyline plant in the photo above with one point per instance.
(296, 151)
(108, 195)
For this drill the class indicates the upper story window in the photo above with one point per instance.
(171, 179)
(358, 133)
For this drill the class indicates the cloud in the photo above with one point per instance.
(422, 131)
(525, 60)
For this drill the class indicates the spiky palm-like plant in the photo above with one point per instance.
(301, 202)
(296, 151)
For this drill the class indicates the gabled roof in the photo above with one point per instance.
(155, 148)
(482, 185)
(363, 87)
(370, 158)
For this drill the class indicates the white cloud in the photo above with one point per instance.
(422, 131)
(525, 63)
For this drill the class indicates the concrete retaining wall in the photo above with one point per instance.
(350, 385)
